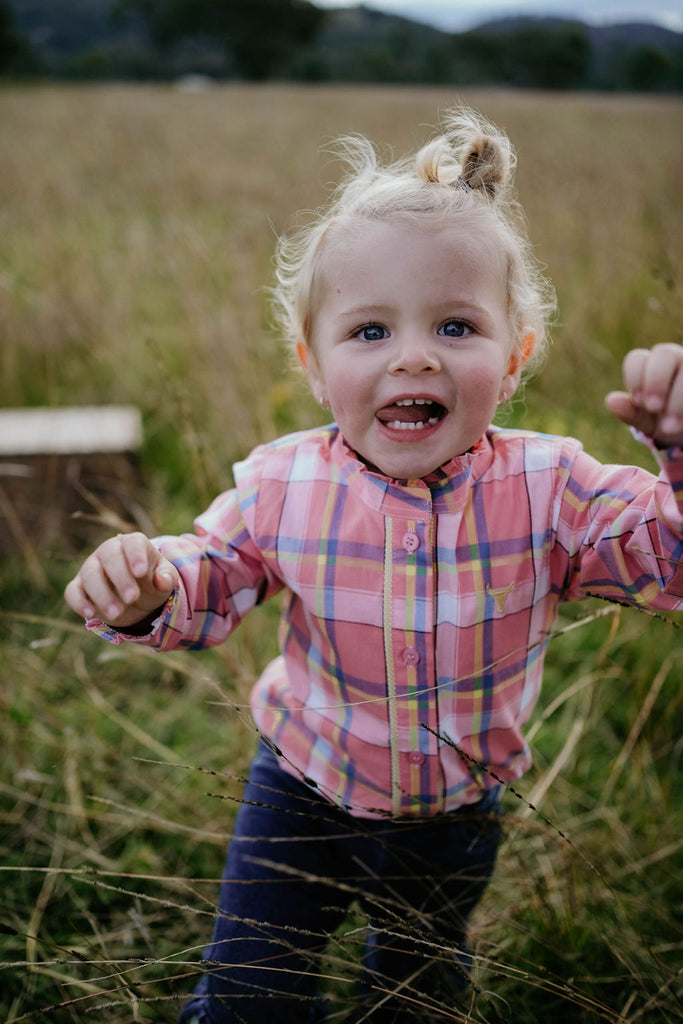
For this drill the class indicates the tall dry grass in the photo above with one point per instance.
(136, 232)
(138, 228)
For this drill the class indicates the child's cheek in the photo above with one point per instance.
(483, 382)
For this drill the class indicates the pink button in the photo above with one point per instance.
(411, 656)
(410, 541)
(416, 757)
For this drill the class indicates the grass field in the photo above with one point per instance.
(136, 233)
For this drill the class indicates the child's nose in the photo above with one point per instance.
(414, 358)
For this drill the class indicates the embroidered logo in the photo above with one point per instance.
(499, 595)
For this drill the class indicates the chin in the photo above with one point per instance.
(409, 472)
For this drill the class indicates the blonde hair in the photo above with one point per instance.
(467, 171)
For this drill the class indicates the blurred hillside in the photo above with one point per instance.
(119, 39)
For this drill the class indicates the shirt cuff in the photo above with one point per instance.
(663, 453)
(120, 636)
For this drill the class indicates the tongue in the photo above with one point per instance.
(407, 413)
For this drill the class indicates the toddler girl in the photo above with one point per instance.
(423, 554)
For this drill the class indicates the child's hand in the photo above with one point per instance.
(122, 582)
(653, 401)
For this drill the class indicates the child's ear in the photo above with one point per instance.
(518, 358)
(309, 364)
(302, 355)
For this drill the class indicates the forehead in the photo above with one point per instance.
(363, 249)
(474, 236)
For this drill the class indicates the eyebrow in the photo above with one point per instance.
(454, 307)
(364, 309)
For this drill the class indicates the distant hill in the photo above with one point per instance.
(631, 34)
(361, 44)
(557, 52)
(79, 38)
(67, 27)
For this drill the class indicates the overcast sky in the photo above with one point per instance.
(457, 15)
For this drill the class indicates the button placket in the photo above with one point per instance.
(413, 573)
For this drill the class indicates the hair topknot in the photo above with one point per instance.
(484, 166)
(465, 172)
(471, 152)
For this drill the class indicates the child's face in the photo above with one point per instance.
(411, 341)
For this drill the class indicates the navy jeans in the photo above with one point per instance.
(294, 865)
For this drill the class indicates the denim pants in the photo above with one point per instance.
(294, 865)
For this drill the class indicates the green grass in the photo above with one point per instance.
(137, 231)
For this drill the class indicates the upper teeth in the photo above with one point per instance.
(414, 401)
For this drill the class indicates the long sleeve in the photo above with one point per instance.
(623, 530)
(222, 576)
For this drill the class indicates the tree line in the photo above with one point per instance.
(295, 40)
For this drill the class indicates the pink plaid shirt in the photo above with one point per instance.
(416, 615)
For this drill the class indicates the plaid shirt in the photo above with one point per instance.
(417, 614)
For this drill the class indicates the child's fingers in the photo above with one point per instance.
(651, 374)
(125, 561)
(91, 593)
(122, 581)
(138, 551)
(671, 418)
(107, 581)
(165, 577)
(621, 404)
(654, 400)
(78, 599)
(149, 573)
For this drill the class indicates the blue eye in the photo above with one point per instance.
(372, 332)
(455, 329)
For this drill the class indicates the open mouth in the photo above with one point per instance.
(411, 414)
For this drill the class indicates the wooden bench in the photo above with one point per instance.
(67, 478)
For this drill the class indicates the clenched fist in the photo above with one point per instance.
(123, 582)
(653, 401)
